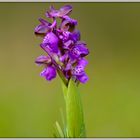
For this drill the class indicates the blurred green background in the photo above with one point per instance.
(29, 105)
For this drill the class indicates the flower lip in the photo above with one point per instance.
(78, 70)
(49, 73)
(83, 78)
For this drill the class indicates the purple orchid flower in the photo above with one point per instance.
(65, 10)
(79, 72)
(79, 50)
(44, 27)
(49, 71)
(62, 44)
(68, 24)
(50, 41)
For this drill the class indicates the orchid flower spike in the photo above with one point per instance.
(65, 51)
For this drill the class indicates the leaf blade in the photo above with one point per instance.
(74, 111)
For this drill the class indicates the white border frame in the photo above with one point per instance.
(69, 0)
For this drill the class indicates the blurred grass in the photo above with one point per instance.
(29, 105)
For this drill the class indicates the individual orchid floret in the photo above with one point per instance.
(63, 46)
(50, 41)
(49, 71)
(68, 24)
(79, 50)
(44, 27)
(79, 72)
(65, 10)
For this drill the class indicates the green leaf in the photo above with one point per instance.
(59, 131)
(74, 111)
(64, 89)
(63, 122)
